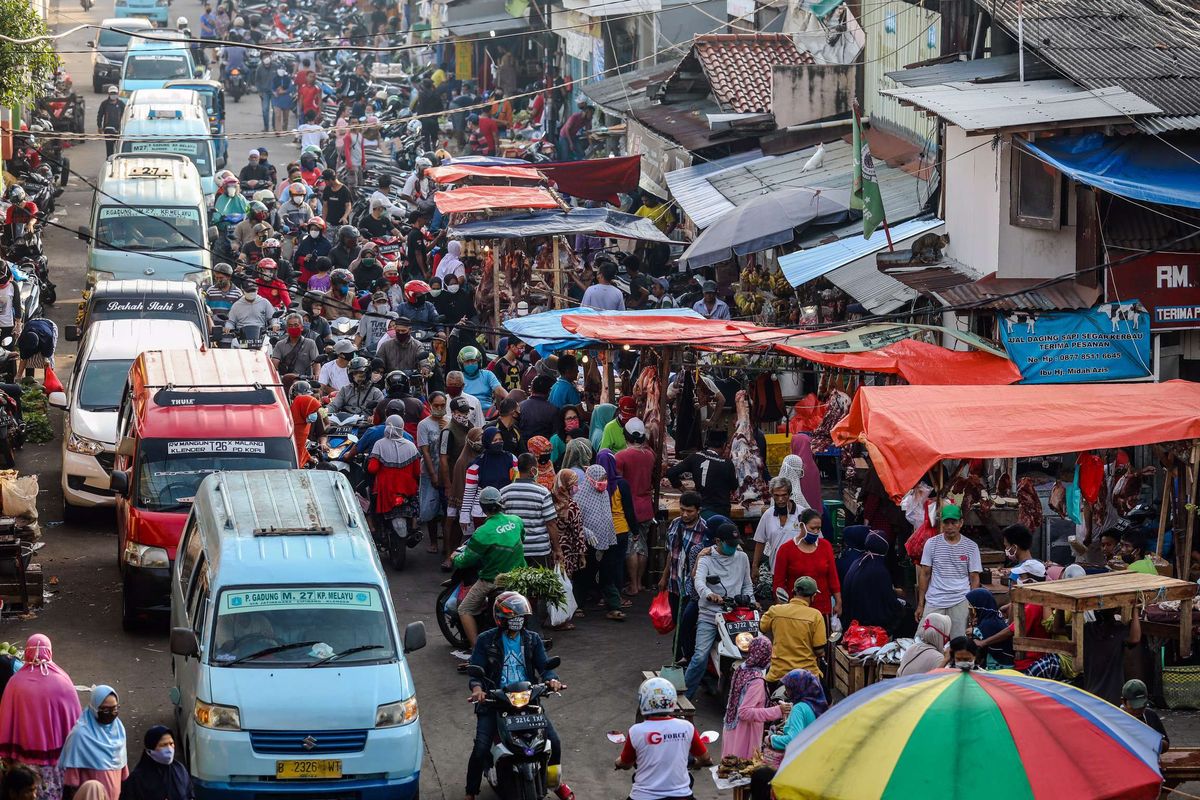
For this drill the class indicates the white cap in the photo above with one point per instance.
(253, 153)
(635, 425)
(1031, 568)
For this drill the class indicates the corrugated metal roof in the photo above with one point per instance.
(685, 123)
(930, 279)
(699, 200)
(978, 108)
(1132, 226)
(1020, 294)
(805, 265)
(622, 92)
(878, 293)
(979, 70)
(471, 17)
(1156, 125)
(1139, 45)
(903, 194)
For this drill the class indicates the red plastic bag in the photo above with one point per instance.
(916, 543)
(660, 613)
(861, 637)
(52, 383)
(806, 414)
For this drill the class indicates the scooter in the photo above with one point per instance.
(521, 750)
(454, 589)
(737, 626)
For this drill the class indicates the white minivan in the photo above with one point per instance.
(93, 395)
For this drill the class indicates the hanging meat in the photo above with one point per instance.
(1029, 505)
(1126, 491)
(1004, 485)
(837, 406)
(648, 394)
(747, 461)
(1058, 499)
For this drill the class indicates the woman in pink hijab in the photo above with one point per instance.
(39, 709)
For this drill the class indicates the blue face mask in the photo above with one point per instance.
(728, 548)
(471, 370)
(811, 538)
(312, 417)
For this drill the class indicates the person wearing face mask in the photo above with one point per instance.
(377, 224)
(460, 451)
(395, 463)
(928, 653)
(613, 435)
(374, 324)
(308, 254)
(230, 202)
(568, 426)
(495, 467)
(295, 355)
(308, 424)
(270, 286)
(455, 383)
(221, 294)
(495, 547)
(282, 98)
(1132, 551)
(867, 592)
(950, 567)
(509, 368)
(399, 350)
(432, 494)
(798, 631)
(359, 396)
(295, 212)
(775, 528)
(809, 553)
(252, 309)
(456, 302)
(347, 250)
(962, 653)
(158, 776)
(95, 748)
(508, 653)
(1017, 543)
(334, 374)
(729, 566)
(481, 383)
(416, 306)
(604, 556)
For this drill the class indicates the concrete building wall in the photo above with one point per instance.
(809, 92)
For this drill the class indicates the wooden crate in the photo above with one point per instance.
(848, 675)
(684, 707)
(10, 590)
(879, 672)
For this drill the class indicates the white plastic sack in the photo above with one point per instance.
(18, 496)
(913, 504)
(561, 615)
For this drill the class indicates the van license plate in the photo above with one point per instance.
(319, 768)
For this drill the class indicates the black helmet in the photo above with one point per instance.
(301, 388)
(347, 232)
(357, 366)
(5, 273)
(397, 383)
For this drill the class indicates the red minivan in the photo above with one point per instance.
(186, 414)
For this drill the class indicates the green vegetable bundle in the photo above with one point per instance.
(534, 582)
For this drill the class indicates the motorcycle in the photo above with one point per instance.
(454, 589)
(235, 84)
(65, 111)
(737, 625)
(26, 253)
(521, 750)
(388, 250)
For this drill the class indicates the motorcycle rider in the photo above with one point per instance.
(418, 308)
(397, 385)
(181, 25)
(731, 566)
(244, 231)
(374, 324)
(230, 202)
(255, 174)
(251, 309)
(334, 374)
(339, 300)
(222, 294)
(252, 251)
(343, 254)
(109, 115)
(660, 746)
(377, 224)
(295, 212)
(382, 196)
(269, 286)
(354, 84)
(359, 396)
(312, 246)
(235, 56)
(417, 187)
(21, 212)
(507, 653)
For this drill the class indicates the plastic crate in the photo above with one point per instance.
(778, 446)
(1181, 687)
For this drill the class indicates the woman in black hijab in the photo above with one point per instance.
(158, 776)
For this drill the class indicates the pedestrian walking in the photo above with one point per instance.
(158, 775)
(37, 712)
(950, 567)
(95, 748)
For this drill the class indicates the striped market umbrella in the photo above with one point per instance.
(979, 735)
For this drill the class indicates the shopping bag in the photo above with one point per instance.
(861, 637)
(51, 383)
(916, 543)
(561, 615)
(18, 495)
(660, 613)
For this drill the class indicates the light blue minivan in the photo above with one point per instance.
(150, 63)
(171, 128)
(290, 670)
(155, 10)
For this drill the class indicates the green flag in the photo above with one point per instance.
(865, 192)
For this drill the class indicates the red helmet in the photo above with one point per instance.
(267, 265)
(413, 289)
(320, 223)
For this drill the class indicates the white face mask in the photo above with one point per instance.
(231, 190)
(297, 200)
(314, 234)
(964, 664)
(452, 288)
(281, 73)
(250, 297)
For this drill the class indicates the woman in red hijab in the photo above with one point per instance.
(306, 421)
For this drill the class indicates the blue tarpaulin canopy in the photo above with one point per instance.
(591, 221)
(545, 332)
(1138, 167)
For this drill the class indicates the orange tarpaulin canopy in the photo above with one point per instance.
(454, 173)
(486, 198)
(909, 429)
(919, 363)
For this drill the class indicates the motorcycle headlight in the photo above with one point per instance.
(743, 640)
(519, 699)
(140, 555)
(392, 715)
(83, 446)
(221, 718)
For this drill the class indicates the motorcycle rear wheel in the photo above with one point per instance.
(397, 551)
(451, 628)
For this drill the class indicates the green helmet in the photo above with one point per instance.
(468, 353)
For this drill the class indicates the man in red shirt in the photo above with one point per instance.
(489, 129)
(635, 463)
(309, 95)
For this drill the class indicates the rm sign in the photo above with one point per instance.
(1166, 283)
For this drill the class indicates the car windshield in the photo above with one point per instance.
(155, 68)
(102, 384)
(149, 228)
(169, 472)
(197, 151)
(110, 38)
(302, 626)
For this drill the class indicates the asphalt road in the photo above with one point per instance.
(602, 660)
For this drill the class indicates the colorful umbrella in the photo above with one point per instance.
(982, 735)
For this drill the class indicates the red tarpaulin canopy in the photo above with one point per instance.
(455, 173)
(652, 331)
(486, 198)
(919, 363)
(597, 178)
(909, 429)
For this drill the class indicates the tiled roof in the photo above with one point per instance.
(738, 67)
(1148, 47)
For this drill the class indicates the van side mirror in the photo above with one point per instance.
(119, 482)
(214, 232)
(84, 232)
(72, 333)
(414, 636)
(57, 399)
(184, 642)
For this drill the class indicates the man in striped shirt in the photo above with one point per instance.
(531, 502)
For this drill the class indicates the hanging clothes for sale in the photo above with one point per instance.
(766, 399)
(687, 416)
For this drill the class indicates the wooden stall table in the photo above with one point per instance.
(1179, 765)
(1094, 592)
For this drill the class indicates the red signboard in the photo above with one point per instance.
(1168, 284)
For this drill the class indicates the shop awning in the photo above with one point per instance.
(488, 198)
(595, 179)
(805, 265)
(457, 173)
(545, 332)
(1138, 167)
(473, 17)
(591, 221)
(909, 429)
(919, 363)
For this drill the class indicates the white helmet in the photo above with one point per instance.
(422, 163)
(238, 22)
(656, 696)
(181, 22)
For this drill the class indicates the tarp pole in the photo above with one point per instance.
(498, 253)
(1193, 474)
(660, 446)
(558, 274)
(1163, 508)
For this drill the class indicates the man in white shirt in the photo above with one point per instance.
(252, 309)
(417, 187)
(602, 294)
(333, 375)
(455, 381)
(383, 199)
(950, 567)
(311, 134)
